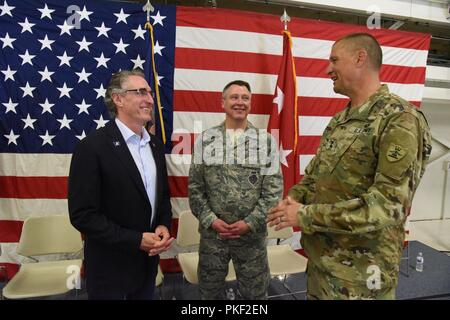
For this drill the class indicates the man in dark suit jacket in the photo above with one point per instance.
(118, 195)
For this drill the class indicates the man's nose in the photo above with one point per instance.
(329, 69)
(149, 97)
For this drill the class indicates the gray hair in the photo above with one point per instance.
(240, 83)
(115, 85)
(369, 43)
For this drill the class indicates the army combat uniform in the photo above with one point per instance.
(358, 191)
(245, 190)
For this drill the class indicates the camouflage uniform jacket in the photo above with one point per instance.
(358, 188)
(243, 190)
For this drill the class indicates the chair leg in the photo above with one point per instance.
(406, 273)
(291, 292)
(161, 291)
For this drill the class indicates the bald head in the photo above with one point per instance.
(365, 41)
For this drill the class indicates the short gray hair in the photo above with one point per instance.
(367, 42)
(115, 85)
(240, 83)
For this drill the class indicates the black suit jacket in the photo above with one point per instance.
(108, 204)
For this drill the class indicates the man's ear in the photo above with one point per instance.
(361, 57)
(117, 99)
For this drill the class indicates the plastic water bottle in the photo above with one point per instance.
(419, 262)
(230, 294)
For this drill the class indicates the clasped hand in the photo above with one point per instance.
(230, 231)
(156, 242)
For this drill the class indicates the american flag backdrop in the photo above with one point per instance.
(54, 67)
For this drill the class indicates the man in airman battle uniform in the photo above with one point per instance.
(357, 191)
(234, 180)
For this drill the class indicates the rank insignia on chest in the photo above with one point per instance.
(395, 153)
(330, 144)
(253, 178)
(365, 130)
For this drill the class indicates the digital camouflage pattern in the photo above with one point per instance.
(249, 257)
(357, 192)
(243, 190)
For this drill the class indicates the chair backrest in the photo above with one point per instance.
(49, 235)
(284, 233)
(187, 234)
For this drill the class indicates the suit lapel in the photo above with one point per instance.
(158, 164)
(120, 149)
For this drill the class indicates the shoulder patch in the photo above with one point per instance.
(395, 153)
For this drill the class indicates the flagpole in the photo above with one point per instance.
(149, 8)
(285, 18)
(284, 115)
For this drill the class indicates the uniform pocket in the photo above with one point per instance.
(333, 151)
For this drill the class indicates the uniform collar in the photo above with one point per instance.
(363, 112)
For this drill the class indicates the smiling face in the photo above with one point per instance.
(236, 102)
(134, 109)
(342, 68)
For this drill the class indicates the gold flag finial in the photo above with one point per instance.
(285, 19)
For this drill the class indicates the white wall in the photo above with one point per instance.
(432, 200)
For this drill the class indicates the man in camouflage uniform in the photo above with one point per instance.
(234, 180)
(356, 194)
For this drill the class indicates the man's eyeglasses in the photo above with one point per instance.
(142, 92)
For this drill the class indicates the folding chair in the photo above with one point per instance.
(187, 236)
(283, 260)
(42, 236)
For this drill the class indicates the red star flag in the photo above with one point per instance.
(283, 123)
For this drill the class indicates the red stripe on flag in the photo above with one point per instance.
(206, 101)
(308, 144)
(315, 29)
(406, 75)
(10, 230)
(178, 186)
(169, 265)
(33, 187)
(320, 107)
(8, 270)
(183, 143)
(187, 58)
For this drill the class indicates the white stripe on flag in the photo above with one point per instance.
(34, 165)
(304, 159)
(252, 42)
(20, 209)
(219, 39)
(312, 126)
(178, 164)
(9, 254)
(205, 120)
(179, 205)
(210, 80)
